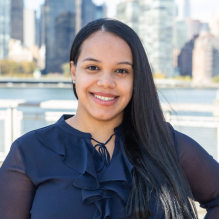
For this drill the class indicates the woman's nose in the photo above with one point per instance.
(106, 81)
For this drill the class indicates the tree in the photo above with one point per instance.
(216, 79)
(158, 75)
(66, 70)
(12, 68)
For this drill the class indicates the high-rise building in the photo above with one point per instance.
(100, 11)
(88, 10)
(179, 34)
(52, 9)
(185, 58)
(156, 32)
(38, 32)
(183, 9)
(42, 25)
(84, 11)
(78, 18)
(29, 27)
(17, 19)
(5, 23)
(42, 44)
(193, 28)
(214, 25)
(186, 30)
(65, 34)
(128, 13)
(205, 57)
(179, 41)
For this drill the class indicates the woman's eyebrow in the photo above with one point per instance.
(126, 63)
(95, 60)
(91, 59)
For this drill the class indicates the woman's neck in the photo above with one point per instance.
(100, 130)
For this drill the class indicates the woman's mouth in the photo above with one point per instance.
(104, 98)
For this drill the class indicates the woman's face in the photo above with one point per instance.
(104, 76)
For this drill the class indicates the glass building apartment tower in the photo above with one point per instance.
(183, 9)
(17, 29)
(5, 23)
(88, 9)
(52, 9)
(100, 11)
(128, 13)
(155, 29)
(65, 33)
(54, 18)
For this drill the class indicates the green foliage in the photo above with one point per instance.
(184, 78)
(216, 79)
(159, 75)
(12, 68)
(66, 70)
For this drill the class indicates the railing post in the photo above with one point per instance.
(167, 116)
(16, 124)
(218, 143)
(8, 130)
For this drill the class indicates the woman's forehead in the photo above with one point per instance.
(104, 45)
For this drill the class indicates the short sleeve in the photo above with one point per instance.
(202, 173)
(16, 189)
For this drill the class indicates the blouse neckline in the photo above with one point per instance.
(73, 131)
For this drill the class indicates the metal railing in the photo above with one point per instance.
(18, 118)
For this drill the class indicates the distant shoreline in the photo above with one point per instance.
(66, 83)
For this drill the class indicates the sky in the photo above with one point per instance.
(200, 9)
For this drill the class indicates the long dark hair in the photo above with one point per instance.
(148, 142)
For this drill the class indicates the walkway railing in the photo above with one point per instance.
(18, 117)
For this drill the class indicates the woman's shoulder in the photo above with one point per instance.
(49, 139)
(180, 138)
(34, 136)
(44, 140)
(42, 133)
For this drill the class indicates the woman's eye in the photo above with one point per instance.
(92, 68)
(121, 71)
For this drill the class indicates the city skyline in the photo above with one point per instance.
(203, 11)
(150, 21)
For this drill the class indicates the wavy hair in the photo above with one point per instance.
(148, 141)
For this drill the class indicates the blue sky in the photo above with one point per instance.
(200, 9)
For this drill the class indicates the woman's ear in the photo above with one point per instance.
(73, 69)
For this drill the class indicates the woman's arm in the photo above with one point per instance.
(202, 173)
(16, 189)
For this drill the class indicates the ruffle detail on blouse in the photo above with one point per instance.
(113, 188)
(108, 188)
(105, 189)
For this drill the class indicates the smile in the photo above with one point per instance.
(104, 98)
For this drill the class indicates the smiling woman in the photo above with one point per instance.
(117, 157)
(103, 76)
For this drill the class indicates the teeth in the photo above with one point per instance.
(104, 98)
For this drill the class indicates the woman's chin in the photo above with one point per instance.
(106, 116)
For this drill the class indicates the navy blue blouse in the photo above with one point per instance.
(55, 172)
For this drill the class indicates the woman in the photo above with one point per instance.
(117, 157)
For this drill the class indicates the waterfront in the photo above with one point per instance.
(171, 95)
(191, 120)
